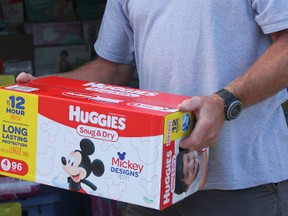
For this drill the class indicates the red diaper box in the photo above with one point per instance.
(109, 141)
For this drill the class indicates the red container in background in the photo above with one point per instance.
(11, 188)
(1, 65)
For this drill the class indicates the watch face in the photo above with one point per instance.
(232, 106)
(234, 110)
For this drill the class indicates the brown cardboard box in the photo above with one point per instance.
(17, 47)
(55, 59)
(55, 33)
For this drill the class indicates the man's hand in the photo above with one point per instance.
(24, 77)
(209, 114)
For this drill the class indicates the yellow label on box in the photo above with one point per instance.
(18, 117)
(177, 125)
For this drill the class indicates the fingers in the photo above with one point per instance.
(189, 105)
(200, 137)
(24, 77)
(190, 143)
(209, 121)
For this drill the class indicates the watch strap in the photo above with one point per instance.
(230, 102)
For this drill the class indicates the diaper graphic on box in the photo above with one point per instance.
(109, 141)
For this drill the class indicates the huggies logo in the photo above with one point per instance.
(121, 166)
(103, 120)
(118, 90)
(170, 173)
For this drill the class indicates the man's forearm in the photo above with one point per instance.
(101, 70)
(267, 76)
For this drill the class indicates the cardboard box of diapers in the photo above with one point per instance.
(109, 141)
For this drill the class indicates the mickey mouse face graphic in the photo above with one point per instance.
(74, 167)
(78, 166)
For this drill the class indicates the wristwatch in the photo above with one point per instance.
(232, 104)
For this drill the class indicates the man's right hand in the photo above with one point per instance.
(24, 77)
